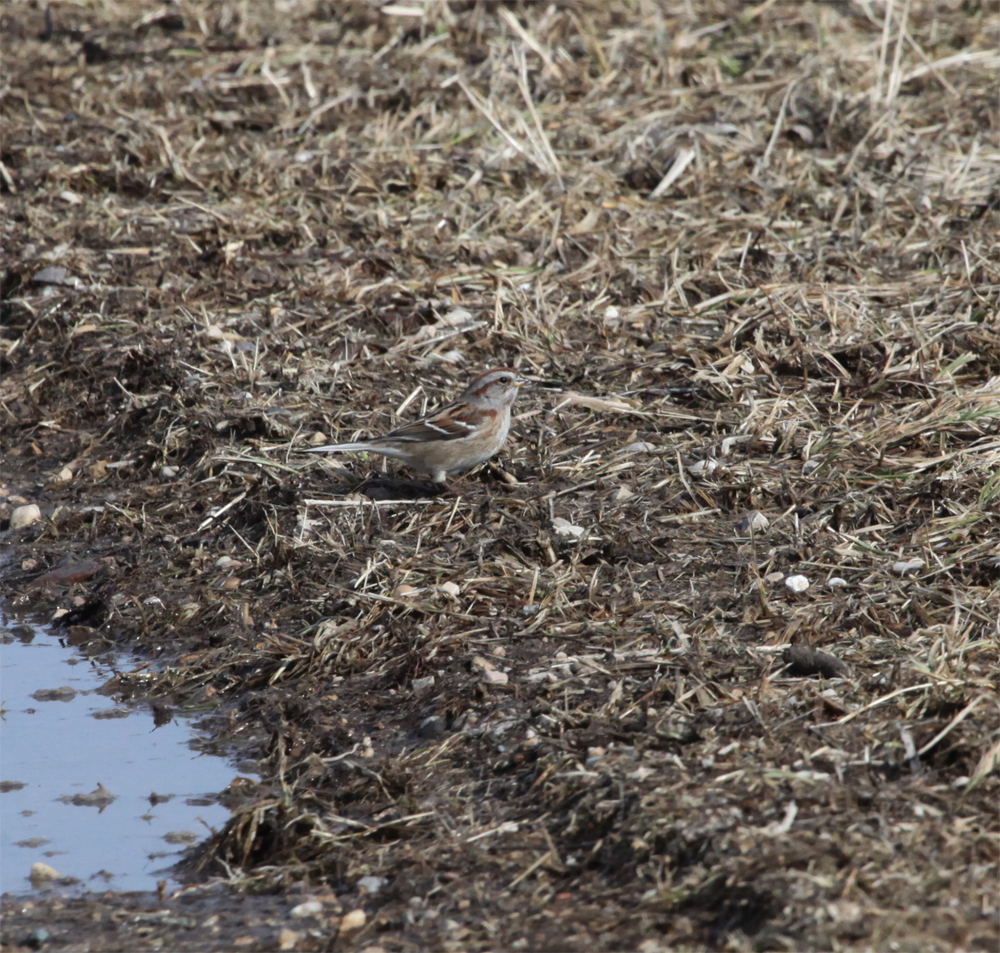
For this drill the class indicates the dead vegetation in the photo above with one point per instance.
(749, 252)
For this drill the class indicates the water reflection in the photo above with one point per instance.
(108, 796)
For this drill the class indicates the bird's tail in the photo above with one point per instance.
(338, 448)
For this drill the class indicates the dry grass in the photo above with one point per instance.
(751, 253)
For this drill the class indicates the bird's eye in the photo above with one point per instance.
(505, 379)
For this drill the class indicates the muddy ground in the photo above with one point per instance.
(707, 658)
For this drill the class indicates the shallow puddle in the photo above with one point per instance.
(78, 772)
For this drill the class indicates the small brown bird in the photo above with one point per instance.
(457, 437)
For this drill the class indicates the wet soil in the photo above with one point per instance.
(199, 920)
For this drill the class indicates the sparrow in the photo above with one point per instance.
(457, 437)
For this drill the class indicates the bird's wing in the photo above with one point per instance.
(449, 423)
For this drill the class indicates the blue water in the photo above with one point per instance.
(59, 750)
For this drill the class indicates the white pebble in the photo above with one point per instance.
(703, 468)
(797, 583)
(25, 516)
(310, 908)
(752, 523)
(43, 873)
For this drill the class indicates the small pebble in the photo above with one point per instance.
(797, 583)
(51, 275)
(43, 873)
(310, 908)
(423, 684)
(25, 516)
(352, 921)
(371, 885)
(703, 468)
(752, 523)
